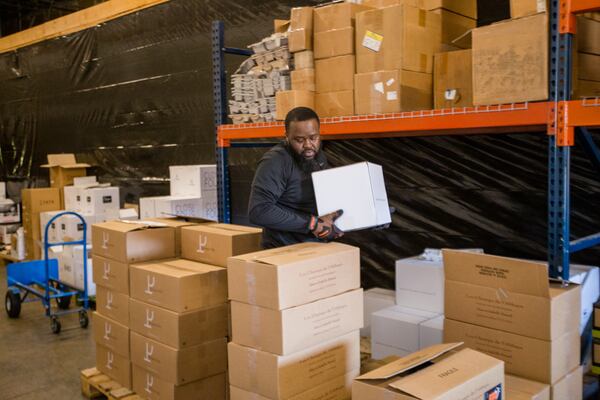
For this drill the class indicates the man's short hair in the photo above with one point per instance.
(300, 114)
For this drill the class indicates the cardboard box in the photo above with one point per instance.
(420, 284)
(78, 274)
(114, 365)
(510, 61)
(333, 43)
(467, 8)
(205, 207)
(583, 89)
(301, 18)
(111, 274)
(214, 243)
(398, 37)
(72, 198)
(179, 330)
(588, 32)
(588, 67)
(113, 305)
(335, 104)
(111, 334)
(152, 386)
(179, 366)
(102, 201)
(300, 40)
(375, 299)
(303, 79)
(524, 389)
(281, 25)
(283, 377)
(509, 294)
(40, 200)
(392, 91)
(286, 100)
(522, 8)
(570, 387)
(193, 180)
(70, 227)
(358, 189)
(389, 3)
(539, 360)
(588, 278)
(133, 242)
(452, 79)
(465, 374)
(336, 16)
(180, 285)
(334, 74)
(454, 26)
(177, 224)
(286, 331)
(63, 168)
(304, 60)
(293, 275)
(338, 388)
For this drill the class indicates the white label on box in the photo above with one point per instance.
(393, 95)
(541, 5)
(372, 41)
(378, 87)
(450, 94)
(390, 82)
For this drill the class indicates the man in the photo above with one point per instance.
(282, 199)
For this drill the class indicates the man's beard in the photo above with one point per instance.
(307, 165)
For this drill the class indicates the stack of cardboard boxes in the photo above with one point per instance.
(63, 170)
(296, 312)
(35, 202)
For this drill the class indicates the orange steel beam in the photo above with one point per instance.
(568, 9)
(472, 120)
(574, 113)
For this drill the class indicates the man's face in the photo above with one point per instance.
(304, 138)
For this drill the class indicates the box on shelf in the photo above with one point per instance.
(114, 365)
(588, 32)
(286, 100)
(336, 16)
(522, 8)
(154, 387)
(63, 168)
(452, 79)
(192, 180)
(333, 43)
(524, 389)
(300, 40)
(467, 8)
(335, 104)
(304, 60)
(111, 334)
(334, 74)
(39, 200)
(111, 274)
(358, 189)
(303, 79)
(453, 27)
(588, 278)
(587, 67)
(287, 331)
(420, 283)
(195, 207)
(293, 275)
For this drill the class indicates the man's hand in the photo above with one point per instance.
(324, 227)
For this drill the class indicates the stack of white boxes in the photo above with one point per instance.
(193, 194)
(296, 312)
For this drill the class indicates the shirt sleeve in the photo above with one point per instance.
(268, 186)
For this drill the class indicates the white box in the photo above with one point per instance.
(148, 206)
(432, 332)
(128, 214)
(70, 226)
(102, 201)
(72, 196)
(86, 181)
(66, 273)
(589, 279)
(380, 351)
(78, 275)
(375, 299)
(359, 190)
(198, 207)
(45, 217)
(420, 284)
(399, 327)
(192, 180)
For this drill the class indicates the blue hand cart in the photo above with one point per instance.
(23, 277)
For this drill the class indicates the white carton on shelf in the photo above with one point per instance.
(589, 279)
(148, 206)
(101, 201)
(359, 190)
(375, 299)
(198, 207)
(192, 180)
(70, 226)
(45, 217)
(432, 332)
(420, 284)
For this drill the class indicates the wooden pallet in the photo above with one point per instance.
(96, 385)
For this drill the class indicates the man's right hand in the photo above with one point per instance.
(324, 227)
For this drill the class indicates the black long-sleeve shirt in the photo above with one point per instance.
(282, 198)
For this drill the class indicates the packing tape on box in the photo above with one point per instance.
(252, 372)
(255, 323)
(251, 284)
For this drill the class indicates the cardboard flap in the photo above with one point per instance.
(503, 273)
(293, 253)
(464, 41)
(165, 269)
(130, 226)
(411, 361)
(66, 160)
(193, 266)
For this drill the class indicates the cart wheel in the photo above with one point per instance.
(83, 319)
(55, 325)
(63, 302)
(12, 303)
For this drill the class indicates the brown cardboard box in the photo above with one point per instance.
(508, 294)
(151, 386)
(177, 224)
(281, 25)
(539, 360)
(336, 16)
(113, 275)
(179, 330)
(570, 387)
(132, 242)
(304, 60)
(588, 32)
(293, 275)
(63, 168)
(337, 388)
(454, 25)
(180, 285)
(215, 243)
(398, 37)
(300, 40)
(522, 8)
(392, 91)
(282, 377)
(452, 79)
(389, 3)
(467, 8)
(466, 374)
(334, 74)
(113, 305)
(39, 200)
(333, 43)
(588, 67)
(179, 366)
(335, 104)
(524, 389)
(287, 100)
(301, 18)
(303, 79)
(111, 334)
(510, 61)
(287, 331)
(114, 365)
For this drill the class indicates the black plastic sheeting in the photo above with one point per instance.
(134, 95)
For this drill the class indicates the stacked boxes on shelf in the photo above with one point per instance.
(296, 312)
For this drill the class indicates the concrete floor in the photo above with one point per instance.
(34, 362)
